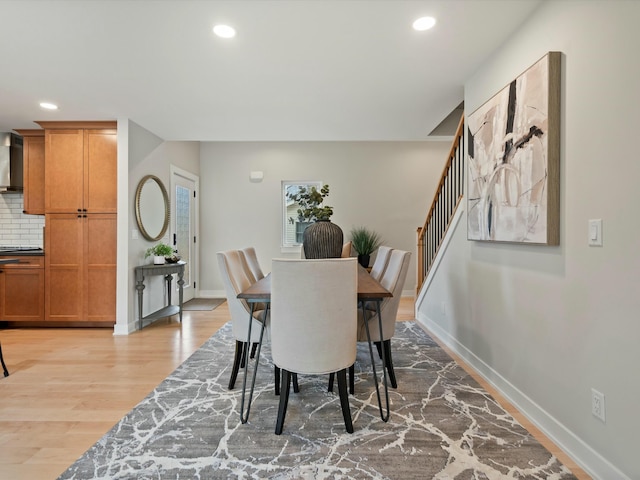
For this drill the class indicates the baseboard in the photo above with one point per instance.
(212, 294)
(126, 329)
(588, 459)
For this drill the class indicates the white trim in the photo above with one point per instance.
(585, 456)
(212, 294)
(443, 248)
(195, 262)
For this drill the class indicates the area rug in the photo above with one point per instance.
(202, 304)
(443, 425)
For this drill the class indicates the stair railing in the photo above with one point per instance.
(448, 196)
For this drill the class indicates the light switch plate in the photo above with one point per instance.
(595, 232)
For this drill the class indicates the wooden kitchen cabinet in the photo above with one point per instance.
(80, 222)
(33, 171)
(22, 290)
(81, 167)
(80, 267)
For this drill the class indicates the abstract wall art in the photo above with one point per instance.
(513, 158)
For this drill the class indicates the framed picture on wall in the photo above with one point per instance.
(513, 159)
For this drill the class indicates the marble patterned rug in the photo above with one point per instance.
(443, 425)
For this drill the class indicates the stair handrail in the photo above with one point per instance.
(449, 194)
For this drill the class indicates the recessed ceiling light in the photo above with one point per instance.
(224, 31)
(424, 23)
(48, 106)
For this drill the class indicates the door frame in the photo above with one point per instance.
(195, 261)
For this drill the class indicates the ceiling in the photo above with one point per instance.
(298, 70)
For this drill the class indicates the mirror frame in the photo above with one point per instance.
(165, 197)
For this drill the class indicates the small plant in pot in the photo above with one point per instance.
(365, 242)
(160, 252)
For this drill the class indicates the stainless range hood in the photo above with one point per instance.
(10, 163)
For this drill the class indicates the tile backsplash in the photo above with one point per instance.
(17, 228)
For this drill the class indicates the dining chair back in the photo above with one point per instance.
(393, 280)
(380, 263)
(236, 279)
(251, 259)
(313, 322)
(346, 249)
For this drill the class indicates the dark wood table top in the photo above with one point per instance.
(368, 289)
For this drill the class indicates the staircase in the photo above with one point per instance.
(448, 197)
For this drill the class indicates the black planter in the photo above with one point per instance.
(322, 239)
(364, 260)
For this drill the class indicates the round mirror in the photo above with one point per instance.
(152, 208)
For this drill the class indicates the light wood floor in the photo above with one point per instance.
(68, 387)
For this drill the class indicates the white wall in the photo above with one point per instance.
(548, 324)
(148, 155)
(386, 186)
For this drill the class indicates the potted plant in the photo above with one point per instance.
(365, 242)
(321, 239)
(310, 202)
(159, 251)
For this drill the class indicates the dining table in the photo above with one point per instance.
(370, 291)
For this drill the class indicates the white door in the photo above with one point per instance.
(184, 227)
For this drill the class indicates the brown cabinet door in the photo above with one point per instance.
(100, 267)
(23, 298)
(100, 171)
(64, 158)
(64, 253)
(80, 267)
(33, 164)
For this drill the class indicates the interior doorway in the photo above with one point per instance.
(184, 225)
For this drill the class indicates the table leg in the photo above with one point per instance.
(244, 416)
(140, 289)
(180, 288)
(385, 418)
(168, 279)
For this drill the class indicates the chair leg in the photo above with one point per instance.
(389, 364)
(351, 380)
(379, 348)
(237, 360)
(344, 399)
(254, 346)
(296, 387)
(294, 377)
(4, 366)
(284, 399)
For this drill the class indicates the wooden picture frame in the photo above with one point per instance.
(513, 160)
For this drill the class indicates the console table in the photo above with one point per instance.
(167, 269)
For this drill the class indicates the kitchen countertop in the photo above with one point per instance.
(16, 253)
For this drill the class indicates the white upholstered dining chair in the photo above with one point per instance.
(393, 280)
(252, 262)
(346, 249)
(380, 263)
(234, 272)
(313, 323)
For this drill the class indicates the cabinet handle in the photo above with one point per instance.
(79, 210)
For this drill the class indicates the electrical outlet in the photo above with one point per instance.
(597, 404)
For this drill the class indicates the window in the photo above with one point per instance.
(292, 227)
